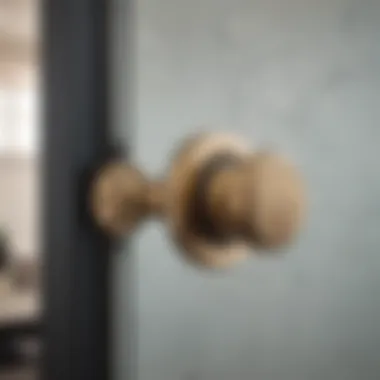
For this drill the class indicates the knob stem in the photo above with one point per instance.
(156, 198)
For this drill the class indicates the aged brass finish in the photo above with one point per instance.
(218, 199)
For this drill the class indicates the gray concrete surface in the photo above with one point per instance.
(297, 76)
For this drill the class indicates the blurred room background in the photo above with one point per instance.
(19, 163)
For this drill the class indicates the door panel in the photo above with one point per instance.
(300, 77)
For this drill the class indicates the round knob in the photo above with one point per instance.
(219, 198)
(223, 199)
(260, 200)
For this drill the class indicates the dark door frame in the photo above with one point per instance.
(76, 320)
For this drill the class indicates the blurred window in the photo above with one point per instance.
(19, 95)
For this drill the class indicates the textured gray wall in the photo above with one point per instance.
(301, 76)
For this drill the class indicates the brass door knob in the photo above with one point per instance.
(219, 198)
